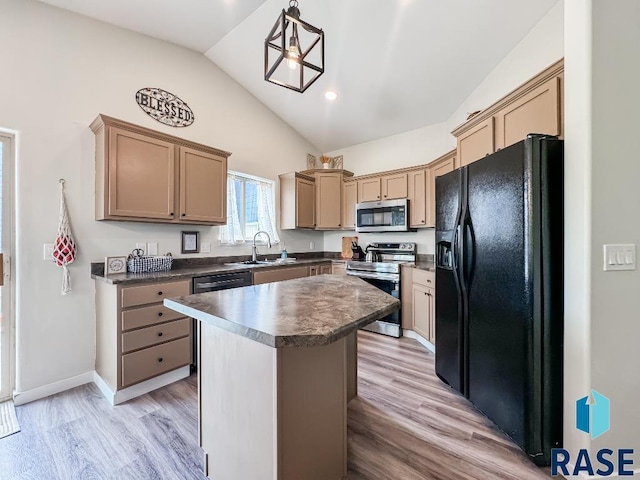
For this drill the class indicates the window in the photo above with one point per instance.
(250, 208)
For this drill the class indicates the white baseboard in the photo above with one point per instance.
(147, 386)
(584, 476)
(20, 398)
(416, 336)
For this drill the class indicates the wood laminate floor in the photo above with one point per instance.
(405, 424)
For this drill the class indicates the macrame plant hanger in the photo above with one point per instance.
(64, 250)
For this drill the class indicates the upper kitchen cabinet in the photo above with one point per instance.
(147, 176)
(198, 172)
(297, 201)
(394, 186)
(476, 143)
(328, 198)
(349, 201)
(440, 166)
(417, 195)
(369, 189)
(534, 107)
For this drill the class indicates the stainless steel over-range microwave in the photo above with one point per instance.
(383, 216)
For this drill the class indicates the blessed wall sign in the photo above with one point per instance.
(165, 107)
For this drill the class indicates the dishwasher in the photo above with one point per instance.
(211, 283)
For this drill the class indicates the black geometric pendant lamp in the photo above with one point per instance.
(293, 51)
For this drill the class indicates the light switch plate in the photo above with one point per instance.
(152, 248)
(619, 257)
(47, 251)
(205, 247)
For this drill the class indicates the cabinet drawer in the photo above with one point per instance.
(132, 296)
(423, 277)
(149, 336)
(147, 316)
(154, 361)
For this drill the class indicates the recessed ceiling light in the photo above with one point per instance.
(330, 95)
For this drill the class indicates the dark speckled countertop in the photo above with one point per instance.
(197, 270)
(304, 312)
(428, 266)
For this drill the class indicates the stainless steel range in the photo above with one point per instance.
(385, 275)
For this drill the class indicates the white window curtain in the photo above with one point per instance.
(234, 232)
(266, 211)
(231, 233)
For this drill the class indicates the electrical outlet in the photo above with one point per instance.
(205, 247)
(312, 245)
(152, 248)
(47, 251)
(142, 246)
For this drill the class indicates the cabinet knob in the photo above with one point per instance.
(160, 292)
(426, 293)
(160, 334)
(378, 196)
(339, 224)
(384, 196)
(160, 360)
(422, 221)
(184, 214)
(171, 214)
(160, 314)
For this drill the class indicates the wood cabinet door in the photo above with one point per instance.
(325, 270)
(536, 112)
(441, 168)
(305, 203)
(339, 268)
(329, 201)
(369, 190)
(278, 275)
(431, 295)
(203, 187)
(349, 201)
(417, 194)
(421, 308)
(394, 186)
(476, 143)
(141, 176)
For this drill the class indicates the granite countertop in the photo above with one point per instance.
(198, 270)
(304, 312)
(428, 266)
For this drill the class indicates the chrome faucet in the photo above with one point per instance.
(254, 248)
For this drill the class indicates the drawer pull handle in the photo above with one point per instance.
(160, 360)
(160, 314)
(160, 334)
(160, 293)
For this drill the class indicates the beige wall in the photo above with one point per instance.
(541, 47)
(59, 70)
(602, 196)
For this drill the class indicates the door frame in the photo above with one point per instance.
(8, 337)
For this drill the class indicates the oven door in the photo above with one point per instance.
(391, 324)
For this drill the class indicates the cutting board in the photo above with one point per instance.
(346, 246)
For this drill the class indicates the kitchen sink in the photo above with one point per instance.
(277, 261)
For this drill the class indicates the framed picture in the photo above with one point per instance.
(190, 243)
(115, 265)
(337, 162)
(311, 162)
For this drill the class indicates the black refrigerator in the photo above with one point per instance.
(499, 289)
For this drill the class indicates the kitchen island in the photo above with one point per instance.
(273, 374)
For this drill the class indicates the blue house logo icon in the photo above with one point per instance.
(592, 414)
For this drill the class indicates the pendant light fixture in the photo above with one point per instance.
(293, 51)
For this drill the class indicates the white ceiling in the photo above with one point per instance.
(396, 65)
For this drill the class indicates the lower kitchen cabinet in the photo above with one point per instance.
(280, 274)
(137, 337)
(418, 298)
(326, 269)
(338, 268)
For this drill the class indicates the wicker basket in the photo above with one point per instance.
(149, 264)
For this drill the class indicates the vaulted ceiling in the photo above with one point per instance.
(396, 65)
